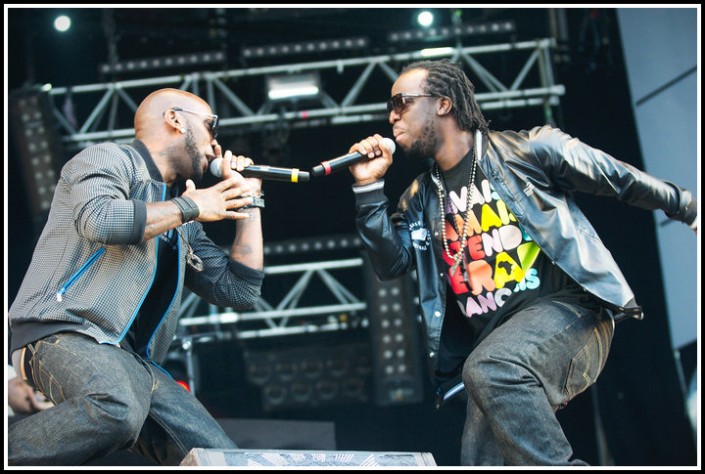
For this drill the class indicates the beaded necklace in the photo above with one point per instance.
(458, 257)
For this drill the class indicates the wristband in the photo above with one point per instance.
(257, 201)
(189, 209)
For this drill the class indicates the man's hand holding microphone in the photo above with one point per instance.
(234, 192)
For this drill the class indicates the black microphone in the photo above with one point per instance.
(342, 162)
(293, 175)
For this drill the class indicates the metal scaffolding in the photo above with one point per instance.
(321, 294)
(324, 294)
(109, 107)
(286, 317)
(526, 81)
(526, 68)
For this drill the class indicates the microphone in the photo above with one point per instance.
(293, 175)
(342, 162)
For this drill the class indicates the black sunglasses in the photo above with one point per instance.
(398, 101)
(212, 125)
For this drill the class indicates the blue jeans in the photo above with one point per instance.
(107, 399)
(521, 374)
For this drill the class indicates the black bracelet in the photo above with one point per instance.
(257, 201)
(189, 209)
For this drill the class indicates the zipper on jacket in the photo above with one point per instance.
(77, 275)
(148, 350)
(144, 295)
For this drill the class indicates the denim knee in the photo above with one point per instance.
(479, 370)
(116, 419)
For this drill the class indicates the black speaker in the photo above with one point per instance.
(395, 333)
(311, 376)
(32, 127)
(270, 457)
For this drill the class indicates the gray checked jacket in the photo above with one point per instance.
(91, 270)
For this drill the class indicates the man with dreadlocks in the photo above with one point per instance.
(518, 294)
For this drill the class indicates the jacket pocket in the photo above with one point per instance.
(76, 276)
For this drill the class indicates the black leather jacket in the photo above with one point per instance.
(535, 172)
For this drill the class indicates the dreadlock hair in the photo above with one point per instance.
(447, 79)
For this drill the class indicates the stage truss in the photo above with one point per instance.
(318, 295)
(526, 69)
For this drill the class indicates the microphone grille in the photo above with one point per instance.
(216, 167)
(389, 144)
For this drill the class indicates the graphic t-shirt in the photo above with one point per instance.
(502, 267)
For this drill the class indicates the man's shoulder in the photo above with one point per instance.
(105, 156)
(109, 149)
(117, 151)
(538, 130)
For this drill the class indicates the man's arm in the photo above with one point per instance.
(248, 246)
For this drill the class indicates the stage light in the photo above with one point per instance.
(396, 339)
(163, 62)
(313, 244)
(293, 86)
(307, 47)
(177, 365)
(32, 127)
(446, 32)
(62, 23)
(434, 52)
(425, 18)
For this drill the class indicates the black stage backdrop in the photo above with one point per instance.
(638, 397)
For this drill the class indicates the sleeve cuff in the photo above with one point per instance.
(368, 187)
(140, 220)
(369, 193)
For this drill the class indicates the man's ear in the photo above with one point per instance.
(172, 118)
(445, 106)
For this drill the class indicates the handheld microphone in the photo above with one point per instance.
(342, 162)
(292, 175)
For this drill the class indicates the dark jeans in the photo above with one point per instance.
(107, 399)
(521, 374)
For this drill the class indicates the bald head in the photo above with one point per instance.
(150, 113)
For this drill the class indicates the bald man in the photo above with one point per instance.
(98, 307)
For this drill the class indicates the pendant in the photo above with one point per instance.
(455, 266)
(465, 270)
(193, 260)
